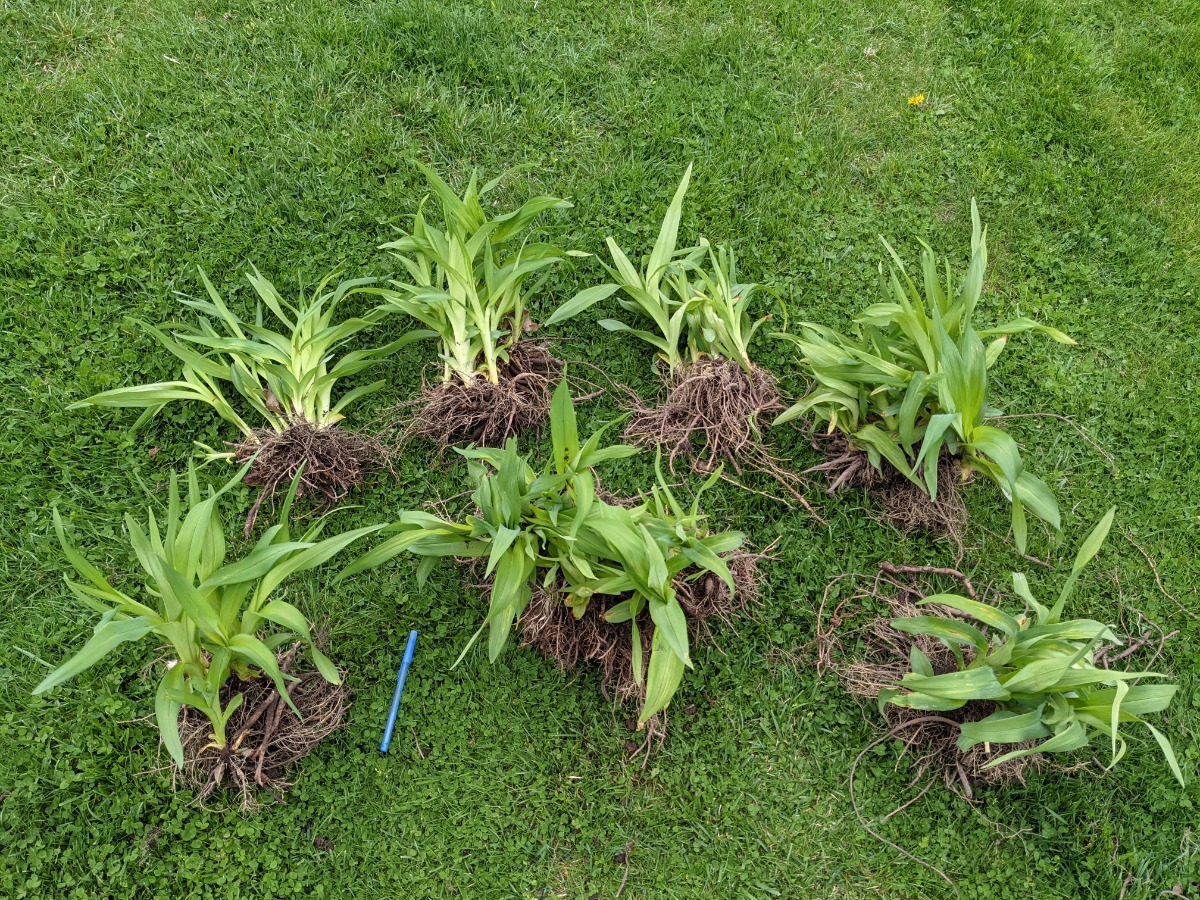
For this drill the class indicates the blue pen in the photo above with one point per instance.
(391, 720)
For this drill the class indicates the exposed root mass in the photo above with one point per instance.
(485, 414)
(551, 627)
(264, 736)
(845, 466)
(335, 460)
(903, 503)
(715, 412)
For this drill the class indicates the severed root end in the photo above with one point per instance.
(845, 466)
(486, 414)
(335, 461)
(265, 739)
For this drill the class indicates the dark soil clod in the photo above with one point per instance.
(265, 738)
(335, 461)
(485, 414)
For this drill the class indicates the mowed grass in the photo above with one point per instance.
(144, 139)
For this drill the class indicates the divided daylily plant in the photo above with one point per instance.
(1037, 669)
(286, 377)
(697, 312)
(913, 379)
(551, 527)
(717, 401)
(221, 619)
(470, 280)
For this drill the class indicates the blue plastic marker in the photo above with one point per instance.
(391, 719)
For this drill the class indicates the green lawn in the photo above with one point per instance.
(143, 138)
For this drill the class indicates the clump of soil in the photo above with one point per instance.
(550, 626)
(903, 503)
(335, 461)
(929, 738)
(264, 736)
(485, 414)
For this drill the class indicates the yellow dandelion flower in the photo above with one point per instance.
(916, 99)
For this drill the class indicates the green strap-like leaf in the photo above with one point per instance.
(251, 567)
(283, 613)
(664, 246)
(1037, 497)
(873, 437)
(950, 631)
(919, 662)
(1141, 700)
(1168, 752)
(1094, 541)
(1002, 727)
(671, 623)
(918, 700)
(501, 541)
(913, 399)
(663, 676)
(145, 395)
(312, 557)
(1001, 449)
(650, 338)
(325, 666)
(1072, 737)
(109, 634)
(1087, 550)
(700, 554)
(258, 654)
(166, 711)
(582, 301)
(564, 431)
(1021, 586)
(969, 684)
(988, 615)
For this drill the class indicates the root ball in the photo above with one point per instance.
(335, 461)
(550, 626)
(903, 504)
(265, 739)
(929, 738)
(487, 414)
(714, 411)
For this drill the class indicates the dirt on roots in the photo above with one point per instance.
(454, 413)
(550, 626)
(335, 461)
(264, 736)
(902, 503)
